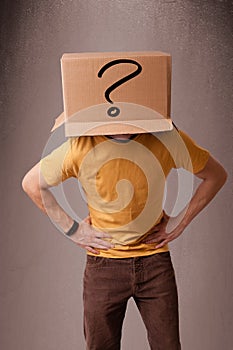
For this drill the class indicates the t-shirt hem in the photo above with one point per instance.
(125, 254)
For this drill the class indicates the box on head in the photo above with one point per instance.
(108, 93)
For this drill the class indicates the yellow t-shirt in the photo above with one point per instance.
(124, 181)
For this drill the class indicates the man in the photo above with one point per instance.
(124, 236)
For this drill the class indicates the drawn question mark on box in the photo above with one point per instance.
(115, 111)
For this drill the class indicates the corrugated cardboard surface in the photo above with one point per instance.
(84, 91)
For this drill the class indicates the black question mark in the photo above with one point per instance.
(115, 111)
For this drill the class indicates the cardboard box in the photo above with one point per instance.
(115, 92)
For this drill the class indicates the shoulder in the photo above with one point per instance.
(176, 137)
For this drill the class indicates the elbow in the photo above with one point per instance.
(29, 184)
(224, 176)
(32, 183)
(214, 173)
(26, 184)
(221, 178)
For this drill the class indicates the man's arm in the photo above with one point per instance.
(214, 176)
(38, 190)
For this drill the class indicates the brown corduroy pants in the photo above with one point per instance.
(109, 283)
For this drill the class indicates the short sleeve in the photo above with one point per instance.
(190, 155)
(58, 165)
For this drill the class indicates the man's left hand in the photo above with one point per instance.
(158, 234)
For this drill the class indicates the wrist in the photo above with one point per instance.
(176, 223)
(64, 222)
(72, 229)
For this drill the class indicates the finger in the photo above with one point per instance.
(92, 250)
(162, 244)
(158, 225)
(155, 228)
(151, 235)
(151, 240)
(97, 243)
(154, 239)
(91, 246)
(103, 245)
(161, 226)
(100, 234)
(87, 219)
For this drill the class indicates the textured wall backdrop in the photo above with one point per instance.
(41, 271)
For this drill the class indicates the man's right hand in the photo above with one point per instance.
(88, 238)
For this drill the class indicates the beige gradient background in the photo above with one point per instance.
(40, 270)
